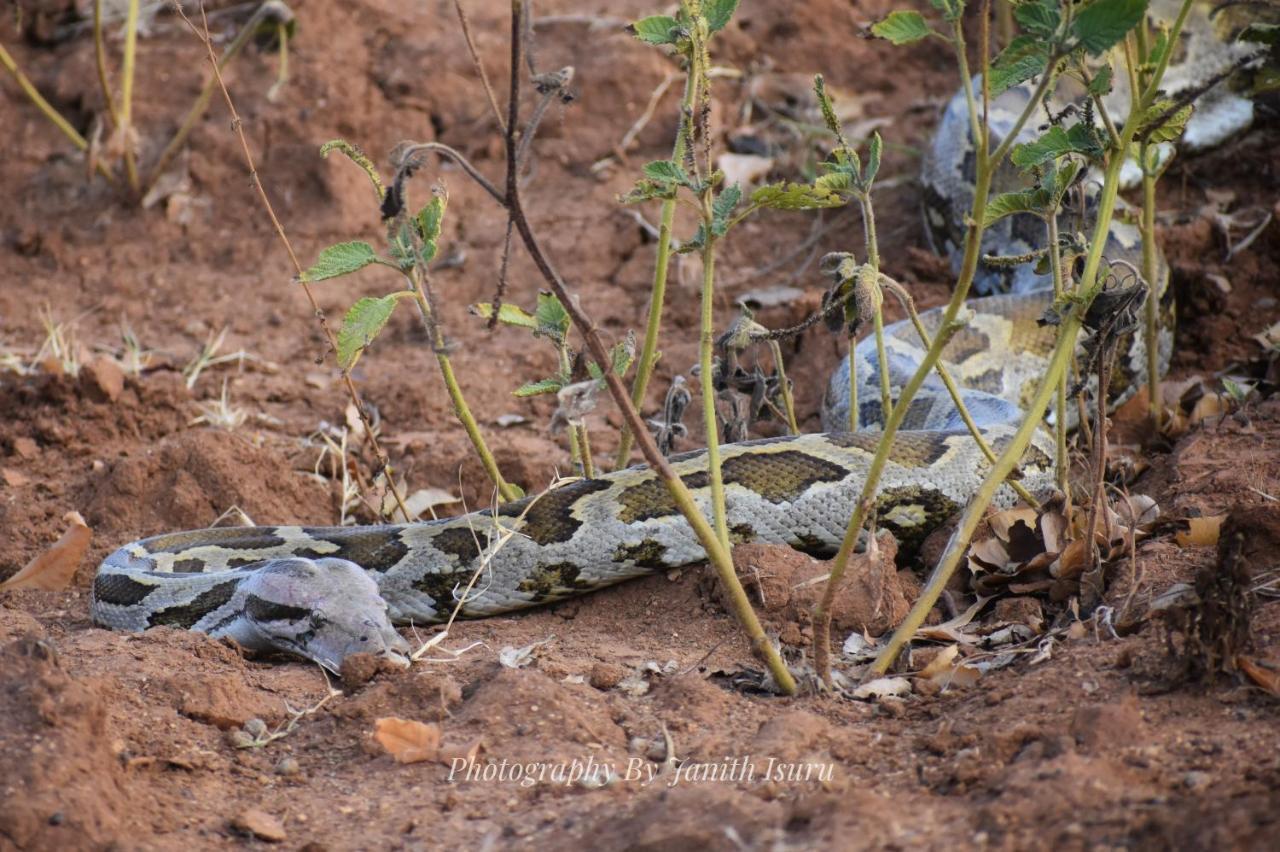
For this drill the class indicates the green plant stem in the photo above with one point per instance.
(201, 103)
(282, 61)
(986, 166)
(1064, 349)
(957, 400)
(460, 408)
(1153, 85)
(854, 412)
(706, 342)
(584, 450)
(1060, 417)
(784, 386)
(46, 108)
(100, 54)
(657, 293)
(872, 283)
(577, 454)
(126, 95)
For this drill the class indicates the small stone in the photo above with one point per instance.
(288, 766)
(1196, 779)
(102, 379)
(255, 727)
(25, 448)
(260, 824)
(606, 675)
(14, 478)
(240, 739)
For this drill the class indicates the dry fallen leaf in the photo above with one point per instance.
(53, 569)
(1200, 532)
(427, 498)
(1261, 673)
(406, 740)
(883, 687)
(465, 752)
(945, 671)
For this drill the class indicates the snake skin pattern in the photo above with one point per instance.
(325, 592)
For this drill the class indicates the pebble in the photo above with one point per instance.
(606, 675)
(261, 825)
(288, 766)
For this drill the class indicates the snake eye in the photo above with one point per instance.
(364, 638)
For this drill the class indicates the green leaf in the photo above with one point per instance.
(362, 324)
(1170, 129)
(1056, 142)
(508, 314)
(1039, 18)
(430, 217)
(873, 161)
(722, 208)
(666, 171)
(1024, 58)
(552, 320)
(837, 180)
(902, 27)
(950, 9)
(1103, 23)
(695, 243)
(795, 196)
(657, 29)
(340, 259)
(1009, 203)
(718, 13)
(1058, 181)
(1101, 84)
(648, 190)
(539, 387)
(621, 356)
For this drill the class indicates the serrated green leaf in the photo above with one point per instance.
(508, 314)
(552, 319)
(1055, 142)
(541, 386)
(1104, 23)
(361, 325)
(902, 27)
(695, 243)
(835, 181)
(1024, 58)
(1171, 128)
(950, 9)
(1101, 84)
(1009, 203)
(718, 13)
(795, 196)
(722, 208)
(666, 171)
(657, 29)
(1038, 18)
(340, 259)
(1058, 181)
(430, 218)
(873, 161)
(649, 190)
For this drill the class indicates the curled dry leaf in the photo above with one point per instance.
(883, 687)
(1200, 532)
(53, 569)
(945, 669)
(406, 740)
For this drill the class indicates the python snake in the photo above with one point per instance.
(325, 592)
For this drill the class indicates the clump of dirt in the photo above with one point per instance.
(636, 718)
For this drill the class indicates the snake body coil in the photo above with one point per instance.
(325, 592)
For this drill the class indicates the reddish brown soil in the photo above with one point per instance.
(117, 741)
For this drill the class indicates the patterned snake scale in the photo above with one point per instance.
(325, 592)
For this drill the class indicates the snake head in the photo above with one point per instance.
(321, 609)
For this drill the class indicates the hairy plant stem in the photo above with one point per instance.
(201, 103)
(717, 554)
(461, 410)
(1090, 284)
(784, 387)
(384, 463)
(125, 127)
(657, 293)
(578, 453)
(985, 167)
(706, 342)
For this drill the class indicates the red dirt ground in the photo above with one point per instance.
(119, 741)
